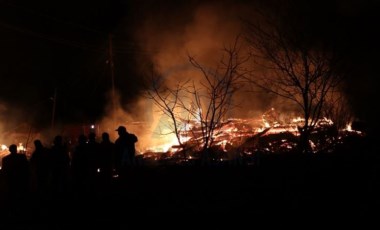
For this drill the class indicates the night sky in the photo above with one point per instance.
(63, 45)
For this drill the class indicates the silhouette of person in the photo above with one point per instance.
(60, 163)
(93, 159)
(15, 168)
(106, 155)
(40, 167)
(106, 162)
(79, 165)
(125, 148)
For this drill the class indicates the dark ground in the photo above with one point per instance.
(343, 187)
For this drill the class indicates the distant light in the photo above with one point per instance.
(20, 148)
(92, 126)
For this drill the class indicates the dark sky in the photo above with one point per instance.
(64, 46)
(48, 45)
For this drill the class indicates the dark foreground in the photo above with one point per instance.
(331, 187)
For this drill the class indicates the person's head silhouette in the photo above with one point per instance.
(38, 144)
(13, 149)
(121, 130)
(105, 136)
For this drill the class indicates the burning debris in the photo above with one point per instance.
(245, 138)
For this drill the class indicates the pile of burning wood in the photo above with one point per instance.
(245, 138)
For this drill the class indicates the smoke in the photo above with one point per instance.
(168, 36)
(167, 32)
(136, 119)
(201, 33)
(142, 119)
(11, 130)
(201, 30)
(3, 110)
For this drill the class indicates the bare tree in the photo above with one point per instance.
(169, 102)
(293, 66)
(212, 98)
(337, 109)
(204, 102)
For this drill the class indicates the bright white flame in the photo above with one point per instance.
(20, 148)
(298, 119)
(327, 120)
(172, 140)
(4, 147)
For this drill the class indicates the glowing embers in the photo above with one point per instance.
(245, 138)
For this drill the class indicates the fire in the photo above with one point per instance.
(3, 152)
(21, 148)
(164, 147)
(298, 120)
(248, 136)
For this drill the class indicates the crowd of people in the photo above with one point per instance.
(54, 170)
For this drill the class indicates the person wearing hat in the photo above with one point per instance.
(125, 148)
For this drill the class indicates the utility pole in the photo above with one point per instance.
(110, 53)
(54, 105)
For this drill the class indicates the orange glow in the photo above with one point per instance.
(234, 132)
